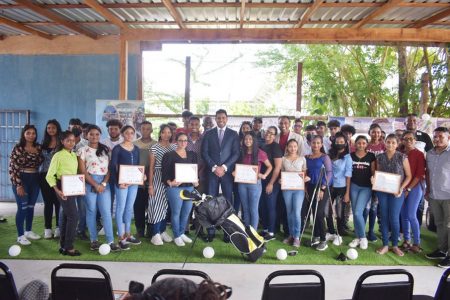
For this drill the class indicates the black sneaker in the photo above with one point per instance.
(95, 245)
(132, 240)
(315, 242)
(445, 263)
(371, 237)
(269, 237)
(438, 254)
(322, 246)
(123, 245)
(114, 247)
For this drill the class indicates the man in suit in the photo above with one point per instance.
(220, 151)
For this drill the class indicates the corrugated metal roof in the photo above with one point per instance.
(6, 30)
(53, 29)
(408, 13)
(22, 15)
(101, 29)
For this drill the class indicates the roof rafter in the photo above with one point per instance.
(105, 13)
(309, 12)
(55, 17)
(434, 18)
(377, 12)
(174, 13)
(21, 27)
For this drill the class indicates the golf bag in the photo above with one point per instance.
(217, 211)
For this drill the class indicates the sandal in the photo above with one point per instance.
(383, 250)
(72, 253)
(415, 249)
(406, 245)
(397, 251)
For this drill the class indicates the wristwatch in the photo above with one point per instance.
(104, 184)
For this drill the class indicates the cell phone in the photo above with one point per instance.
(292, 253)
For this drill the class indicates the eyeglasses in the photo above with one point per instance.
(182, 141)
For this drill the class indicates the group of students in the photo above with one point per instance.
(337, 171)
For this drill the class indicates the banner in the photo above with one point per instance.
(129, 112)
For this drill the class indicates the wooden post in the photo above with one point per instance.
(139, 73)
(299, 86)
(424, 94)
(123, 76)
(187, 87)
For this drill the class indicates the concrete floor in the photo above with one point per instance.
(246, 280)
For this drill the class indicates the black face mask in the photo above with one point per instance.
(309, 137)
(340, 146)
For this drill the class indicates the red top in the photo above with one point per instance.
(262, 157)
(283, 141)
(417, 163)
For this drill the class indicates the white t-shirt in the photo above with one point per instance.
(95, 165)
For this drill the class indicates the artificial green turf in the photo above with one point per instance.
(224, 253)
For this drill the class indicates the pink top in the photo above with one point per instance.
(262, 157)
(376, 149)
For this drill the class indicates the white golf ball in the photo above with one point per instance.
(14, 250)
(352, 254)
(281, 254)
(104, 249)
(208, 252)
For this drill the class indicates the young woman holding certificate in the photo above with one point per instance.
(180, 209)
(293, 199)
(93, 162)
(413, 193)
(25, 159)
(64, 162)
(125, 153)
(251, 192)
(397, 163)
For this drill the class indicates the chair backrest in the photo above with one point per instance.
(443, 290)
(178, 272)
(291, 291)
(8, 288)
(395, 290)
(81, 288)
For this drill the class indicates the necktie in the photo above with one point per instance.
(220, 136)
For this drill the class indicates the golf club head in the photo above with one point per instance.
(337, 241)
(341, 257)
(187, 195)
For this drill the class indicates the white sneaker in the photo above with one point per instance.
(31, 235)
(56, 233)
(354, 243)
(330, 237)
(102, 231)
(48, 234)
(186, 239)
(156, 240)
(363, 243)
(166, 237)
(179, 242)
(23, 240)
(337, 240)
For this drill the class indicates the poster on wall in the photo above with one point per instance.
(130, 112)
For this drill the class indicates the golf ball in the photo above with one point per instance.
(208, 252)
(14, 250)
(104, 249)
(352, 254)
(281, 254)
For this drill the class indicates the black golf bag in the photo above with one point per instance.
(217, 211)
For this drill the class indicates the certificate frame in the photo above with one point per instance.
(242, 173)
(288, 178)
(73, 185)
(184, 173)
(131, 174)
(387, 182)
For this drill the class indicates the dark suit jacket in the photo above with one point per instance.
(225, 154)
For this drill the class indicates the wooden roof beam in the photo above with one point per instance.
(430, 20)
(108, 15)
(377, 12)
(55, 17)
(24, 28)
(309, 12)
(174, 13)
(242, 14)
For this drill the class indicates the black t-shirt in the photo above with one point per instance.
(361, 169)
(168, 165)
(273, 151)
(425, 138)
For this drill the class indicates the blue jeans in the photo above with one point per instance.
(159, 227)
(249, 194)
(390, 208)
(103, 203)
(81, 208)
(269, 206)
(371, 212)
(409, 214)
(294, 203)
(360, 197)
(180, 209)
(236, 198)
(25, 204)
(124, 208)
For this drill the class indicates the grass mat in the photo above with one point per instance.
(224, 253)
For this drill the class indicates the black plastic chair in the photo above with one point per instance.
(178, 272)
(395, 290)
(8, 288)
(291, 291)
(81, 288)
(442, 291)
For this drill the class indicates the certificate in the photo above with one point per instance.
(246, 173)
(131, 174)
(387, 182)
(186, 173)
(292, 181)
(73, 185)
